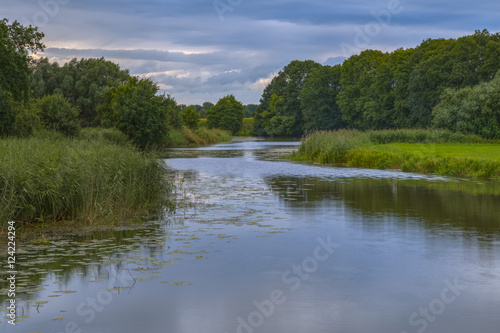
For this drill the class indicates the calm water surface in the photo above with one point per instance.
(263, 245)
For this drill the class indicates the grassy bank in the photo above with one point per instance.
(51, 178)
(201, 136)
(436, 152)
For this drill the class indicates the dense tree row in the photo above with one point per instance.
(376, 90)
(36, 94)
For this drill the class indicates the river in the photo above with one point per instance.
(259, 244)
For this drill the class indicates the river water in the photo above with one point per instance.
(264, 245)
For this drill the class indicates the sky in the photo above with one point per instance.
(202, 50)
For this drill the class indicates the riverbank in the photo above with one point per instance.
(424, 151)
(202, 136)
(48, 178)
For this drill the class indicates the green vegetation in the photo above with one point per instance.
(16, 43)
(57, 114)
(471, 109)
(111, 135)
(247, 128)
(279, 112)
(227, 115)
(55, 178)
(442, 83)
(82, 82)
(201, 136)
(137, 111)
(190, 118)
(436, 152)
(476, 151)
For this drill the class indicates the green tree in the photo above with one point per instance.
(82, 82)
(136, 110)
(358, 100)
(57, 114)
(17, 43)
(318, 99)
(250, 110)
(190, 118)
(471, 110)
(287, 84)
(227, 114)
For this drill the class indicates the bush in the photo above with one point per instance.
(27, 119)
(57, 114)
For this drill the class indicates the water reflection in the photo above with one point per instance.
(467, 205)
(249, 225)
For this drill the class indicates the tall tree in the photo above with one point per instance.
(287, 85)
(358, 100)
(227, 114)
(318, 99)
(17, 44)
(136, 110)
(82, 82)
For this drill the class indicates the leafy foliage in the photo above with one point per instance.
(7, 114)
(318, 100)
(472, 110)
(137, 111)
(82, 82)
(190, 117)
(16, 44)
(58, 115)
(227, 115)
(376, 90)
(287, 114)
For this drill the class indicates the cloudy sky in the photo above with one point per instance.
(202, 50)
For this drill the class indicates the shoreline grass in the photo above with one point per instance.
(52, 178)
(424, 151)
(201, 136)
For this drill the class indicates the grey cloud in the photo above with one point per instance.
(255, 39)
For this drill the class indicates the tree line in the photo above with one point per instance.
(442, 83)
(35, 93)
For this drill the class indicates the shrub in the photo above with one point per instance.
(57, 114)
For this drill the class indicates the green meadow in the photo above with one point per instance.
(424, 151)
(474, 151)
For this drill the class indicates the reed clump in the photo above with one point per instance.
(47, 178)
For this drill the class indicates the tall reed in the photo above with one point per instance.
(48, 179)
